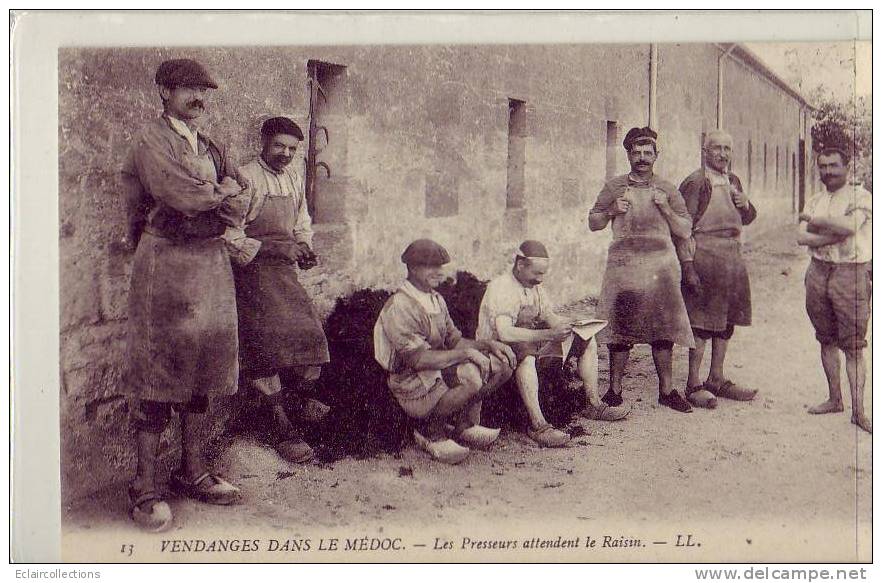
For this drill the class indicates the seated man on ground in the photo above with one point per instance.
(517, 310)
(438, 377)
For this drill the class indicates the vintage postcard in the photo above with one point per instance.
(308, 276)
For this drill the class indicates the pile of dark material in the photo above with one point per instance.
(365, 419)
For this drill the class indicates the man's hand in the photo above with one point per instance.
(690, 276)
(234, 207)
(501, 351)
(301, 251)
(805, 218)
(228, 187)
(739, 198)
(477, 358)
(620, 206)
(560, 331)
(660, 198)
(241, 180)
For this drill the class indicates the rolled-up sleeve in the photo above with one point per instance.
(605, 199)
(303, 224)
(452, 335)
(166, 179)
(405, 333)
(690, 192)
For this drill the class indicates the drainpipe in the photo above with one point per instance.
(722, 56)
(653, 85)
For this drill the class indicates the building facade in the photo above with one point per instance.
(478, 147)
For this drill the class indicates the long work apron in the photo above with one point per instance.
(724, 297)
(182, 314)
(278, 325)
(641, 295)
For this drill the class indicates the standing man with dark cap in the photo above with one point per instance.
(183, 342)
(716, 285)
(517, 310)
(281, 341)
(436, 375)
(641, 295)
(837, 228)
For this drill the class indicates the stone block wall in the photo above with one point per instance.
(417, 146)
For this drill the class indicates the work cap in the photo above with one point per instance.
(532, 249)
(183, 73)
(425, 252)
(639, 136)
(280, 125)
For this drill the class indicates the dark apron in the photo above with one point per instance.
(640, 296)
(278, 325)
(725, 286)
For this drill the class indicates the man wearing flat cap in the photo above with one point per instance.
(716, 284)
(518, 310)
(836, 227)
(437, 376)
(183, 342)
(281, 341)
(640, 295)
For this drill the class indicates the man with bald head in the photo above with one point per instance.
(716, 287)
(517, 309)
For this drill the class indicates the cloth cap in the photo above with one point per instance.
(425, 252)
(644, 135)
(531, 249)
(183, 73)
(280, 125)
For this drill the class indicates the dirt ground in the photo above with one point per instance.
(750, 481)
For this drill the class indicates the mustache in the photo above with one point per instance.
(196, 103)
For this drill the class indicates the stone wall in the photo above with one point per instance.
(418, 142)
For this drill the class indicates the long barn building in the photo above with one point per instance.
(478, 147)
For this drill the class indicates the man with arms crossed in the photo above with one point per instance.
(182, 345)
(836, 227)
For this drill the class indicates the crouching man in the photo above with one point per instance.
(438, 377)
(517, 310)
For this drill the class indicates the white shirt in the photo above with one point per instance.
(851, 201)
(265, 181)
(191, 136)
(506, 296)
(428, 300)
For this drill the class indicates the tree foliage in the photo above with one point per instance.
(845, 125)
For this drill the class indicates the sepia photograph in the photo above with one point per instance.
(559, 301)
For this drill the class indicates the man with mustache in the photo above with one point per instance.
(182, 343)
(716, 285)
(836, 226)
(281, 341)
(517, 310)
(640, 295)
(438, 377)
